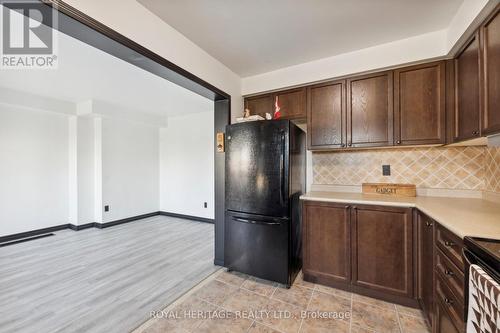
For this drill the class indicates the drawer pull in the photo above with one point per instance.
(448, 301)
(448, 272)
(449, 243)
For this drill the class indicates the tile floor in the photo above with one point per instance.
(239, 303)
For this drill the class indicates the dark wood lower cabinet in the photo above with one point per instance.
(443, 323)
(382, 249)
(327, 246)
(449, 281)
(395, 254)
(367, 249)
(425, 264)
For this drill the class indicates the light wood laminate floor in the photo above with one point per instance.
(102, 280)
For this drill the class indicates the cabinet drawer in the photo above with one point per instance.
(451, 245)
(453, 306)
(450, 274)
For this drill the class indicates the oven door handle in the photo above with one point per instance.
(469, 258)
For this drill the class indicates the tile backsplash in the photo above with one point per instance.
(469, 168)
(492, 170)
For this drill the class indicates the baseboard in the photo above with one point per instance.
(26, 239)
(79, 227)
(187, 217)
(33, 233)
(218, 262)
(126, 220)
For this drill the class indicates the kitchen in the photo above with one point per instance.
(402, 189)
(319, 166)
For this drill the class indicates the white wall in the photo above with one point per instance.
(156, 35)
(187, 164)
(33, 169)
(85, 170)
(130, 175)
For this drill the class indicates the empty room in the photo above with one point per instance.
(250, 166)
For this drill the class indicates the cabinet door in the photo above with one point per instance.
(443, 322)
(292, 103)
(382, 247)
(326, 243)
(467, 91)
(370, 110)
(326, 119)
(490, 33)
(425, 265)
(419, 103)
(259, 105)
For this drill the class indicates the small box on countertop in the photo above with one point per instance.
(393, 190)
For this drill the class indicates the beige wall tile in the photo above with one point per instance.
(492, 170)
(466, 168)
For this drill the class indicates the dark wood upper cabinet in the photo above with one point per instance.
(326, 125)
(419, 104)
(425, 262)
(326, 243)
(260, 105)
(292, 103)
(490, 34)
(467, 91)
(382, 250)
(370, 110)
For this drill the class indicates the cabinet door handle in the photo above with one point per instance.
(342, 145)
(429, 224)
(398, 142)
(448, 272)
(448, 243)
(448, 301)
(349, 144)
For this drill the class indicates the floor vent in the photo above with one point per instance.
(25, 239)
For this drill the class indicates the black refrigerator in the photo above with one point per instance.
(265, 176)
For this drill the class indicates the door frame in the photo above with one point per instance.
(78, 25)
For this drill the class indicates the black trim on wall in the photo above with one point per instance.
(81, 226)
(125, 220)
(78, 25)
(188, 217)
(34, 233)
(25, 240)
(221, 120)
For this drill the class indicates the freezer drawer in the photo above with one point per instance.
(258, 246)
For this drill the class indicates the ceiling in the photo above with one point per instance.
(85, 73)
(258, 36)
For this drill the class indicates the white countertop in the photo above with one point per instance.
(462, 216)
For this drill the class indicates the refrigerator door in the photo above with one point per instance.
(257, 164)
(258, 246)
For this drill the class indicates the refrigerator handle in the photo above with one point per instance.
(237, 219)
(282, 169)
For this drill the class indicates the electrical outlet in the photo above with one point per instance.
(205, 205)
(106, 208)
(386, 170)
